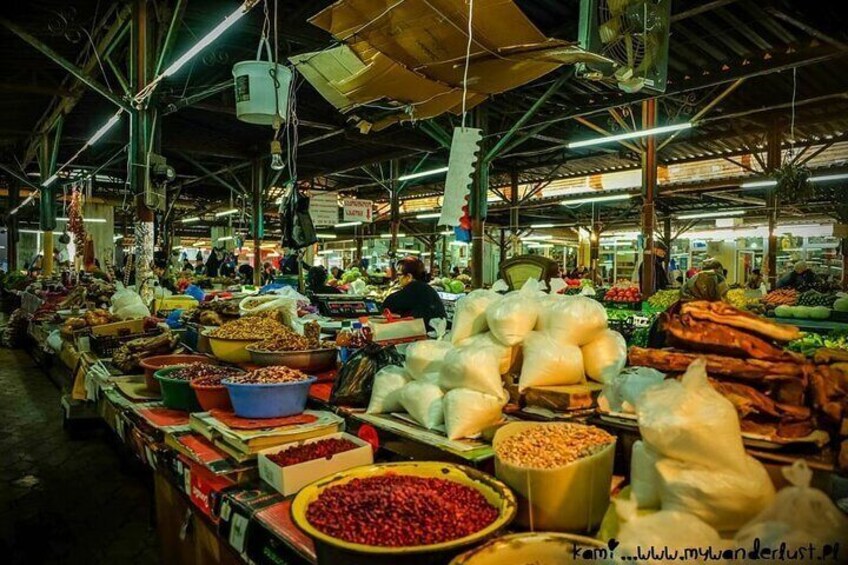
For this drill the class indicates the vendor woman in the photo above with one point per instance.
(415, 298)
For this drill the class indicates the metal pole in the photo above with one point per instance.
(649, 187)
(514, 213)
(477, 202)
(667, 240)
(47, 209)
(258, 177)
(772, 164)
(394, 210)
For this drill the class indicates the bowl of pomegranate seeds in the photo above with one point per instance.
(407, 512)
(269, 392)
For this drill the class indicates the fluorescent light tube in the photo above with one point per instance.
(446, 232)
(347, 224)
(50, 180)
(541, 246)
(629, 135)
(229, 212)
(209, 38)
(389, 236)
(459, 243)
(117, 238)
(410, 251)
(326, 236)
(226, 238)
(190, 220)
(429, 216)
(412, 176)
(198, 244)
(540, 237)
(88, 220)
(758, 184)
(541, 226)
(711, 215)
(826, 178)
(105, 128)
(594, 199)
(327, 252)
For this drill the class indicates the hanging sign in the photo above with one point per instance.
(358, 210)
(324, 208)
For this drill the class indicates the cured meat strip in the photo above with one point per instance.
(725, 314)
(749, 401)
(752, 369)
(688, 333)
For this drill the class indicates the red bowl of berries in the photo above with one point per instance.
(211, 393)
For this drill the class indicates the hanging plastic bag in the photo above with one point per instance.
(644, 479)
(298, 230)
(475, 368)
(572, 320)
(385, 394)
(510, 357)
(620, 393)
(515, 315)
(605, 356)
(470, 315)
(468, 412)
(677, 531)
(425, 356)
(726, 499)
(798, 515)
(423, 401)
(546, 363)
(689, 421)
(356, 377)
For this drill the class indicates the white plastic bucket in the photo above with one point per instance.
(259, 97)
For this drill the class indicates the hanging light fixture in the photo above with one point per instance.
(277, 162)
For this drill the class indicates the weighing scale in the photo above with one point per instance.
(342, 306)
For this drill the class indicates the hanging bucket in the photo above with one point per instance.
(262, 89)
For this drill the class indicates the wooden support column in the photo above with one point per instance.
(772, 164)
(667, 241)
(431, 248)
(258, 180)
(649, 187)
(503, 246)
(844, 263)
(595, 251)
(514, 216)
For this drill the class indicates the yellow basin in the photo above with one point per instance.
(230, 350)
(493, 490)
(541, 548)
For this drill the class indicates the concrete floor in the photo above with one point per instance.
(64, 500)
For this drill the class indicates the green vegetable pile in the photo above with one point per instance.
(810, 342)
(815, 298)
(803, 312)
(663, 299)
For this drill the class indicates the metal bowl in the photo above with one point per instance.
(310, 361)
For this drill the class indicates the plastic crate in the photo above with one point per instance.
(106, 345)
(634, 306)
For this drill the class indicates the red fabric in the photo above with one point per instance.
(201, 447)
(164, 417)
(278, 519)
(321, 391)
(229, 419)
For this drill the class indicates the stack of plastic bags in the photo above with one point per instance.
(692, 458)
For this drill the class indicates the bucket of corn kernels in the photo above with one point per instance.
(560, 471)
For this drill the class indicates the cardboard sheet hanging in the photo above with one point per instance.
(463, 156)
(324, 208)
(358, 210)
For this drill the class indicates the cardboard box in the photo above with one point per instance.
(289, 480)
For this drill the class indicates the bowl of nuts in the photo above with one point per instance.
(411, 512)
(269, 392)
(228, 342)
(293, 350)
(210, 393)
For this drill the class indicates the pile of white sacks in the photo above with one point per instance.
(456, 381)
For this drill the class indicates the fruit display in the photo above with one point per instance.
(90, 319)
(663, 299)
(400, 511)
(623, 294)
(787, 296)
(447, 284)
(841, 304)
(739, 298)
(815, 298)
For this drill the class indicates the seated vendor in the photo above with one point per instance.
(316, 282)
(709, 284)
(801, 277)
(415, 298)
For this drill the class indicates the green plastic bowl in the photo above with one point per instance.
(177, 394)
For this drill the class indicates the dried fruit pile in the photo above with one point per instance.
(211, 374)
(324, 448)
(550, 447)
(400, 511)
(269, 375)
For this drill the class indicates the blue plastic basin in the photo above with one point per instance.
(271, 400)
